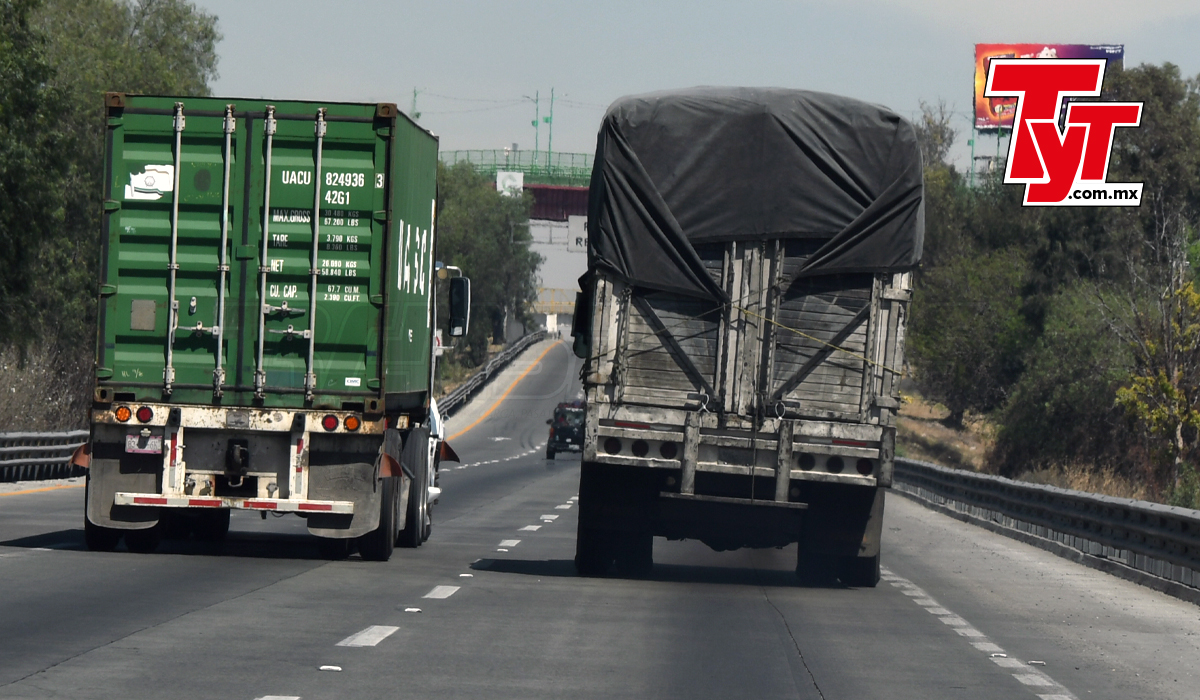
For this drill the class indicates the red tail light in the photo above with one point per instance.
(329, 423)
(145, 414)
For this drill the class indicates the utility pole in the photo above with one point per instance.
(413, 112)
(537, 119)
(550, 138)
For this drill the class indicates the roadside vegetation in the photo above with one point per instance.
(1062, 345)
(57, 59)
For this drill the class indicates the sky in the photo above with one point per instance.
(477, 65)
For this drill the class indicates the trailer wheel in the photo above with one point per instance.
(212, 526)
(416, 455)
(593, 551)
(549, 452)
(97, 539)
(635, 554)
(816, 569)
(377, 545)
(100, 539)
(859, 572)
(143, 541)
(333, 548)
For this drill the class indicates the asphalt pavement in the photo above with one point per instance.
(490, 606)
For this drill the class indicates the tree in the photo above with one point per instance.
(486, 233)
(968, 336)
(34, 163)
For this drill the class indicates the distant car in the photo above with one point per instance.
(566, 429)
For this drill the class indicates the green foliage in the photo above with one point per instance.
(34, 165)
(1186, 492)
(486, 234)
(1061, 408)
(968, 336)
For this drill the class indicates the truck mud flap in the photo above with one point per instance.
(134, 473)
(344, 482)
(843, 521)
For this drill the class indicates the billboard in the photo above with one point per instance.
(997, 112)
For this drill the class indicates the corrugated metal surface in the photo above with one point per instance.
(373, 169)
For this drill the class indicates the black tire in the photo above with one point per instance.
(549, 452)
(175, 526)
(593, 551)
(377, 545)
(816, 569)
(332, 548)
(635, 554)
(212, 525)
(97, 539)
(416, 457)
(859, 572)
(100, 539)
(144, 541)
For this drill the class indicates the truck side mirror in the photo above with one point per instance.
(460, 306)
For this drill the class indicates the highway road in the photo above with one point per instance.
(491, 607)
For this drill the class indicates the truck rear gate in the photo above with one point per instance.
(265, 307)
(743, 319)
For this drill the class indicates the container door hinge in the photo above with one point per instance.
(111, 205)
(107, 290)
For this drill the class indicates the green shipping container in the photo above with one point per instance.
(266, 253)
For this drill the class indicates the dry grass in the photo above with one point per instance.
(921, 433)
(1081, 477)
(45, 392)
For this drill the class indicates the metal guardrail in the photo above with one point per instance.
(31, 456)
(34, 456)
(451, 402)
(1156, 540)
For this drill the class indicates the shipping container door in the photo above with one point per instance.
(165, 233)
(327, 179)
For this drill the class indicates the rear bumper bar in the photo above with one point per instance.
(279, 505)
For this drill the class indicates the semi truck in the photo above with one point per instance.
(750, 261)
(266, 316)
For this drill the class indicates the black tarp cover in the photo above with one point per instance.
(716, 164)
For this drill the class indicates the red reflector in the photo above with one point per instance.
(145, 414)
(299, 445)
(316, 506)
(147, 501)
(850, 443)
(627, 424)
(329, 422)
(265, 505)
(205, 502)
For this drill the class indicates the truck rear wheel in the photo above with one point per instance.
(333, 548)
(212, 526)
(549, 452)
(416, 456)
(143, 541)
(635, 554)
(859, 572)
(97, 539)
(593, 551)
(377, 545)
(100, 539)
(816, 569)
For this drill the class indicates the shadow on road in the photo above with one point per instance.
(237, 544)
(664, 573)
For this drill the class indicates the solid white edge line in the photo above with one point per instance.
(1031, 677)
(368, 637)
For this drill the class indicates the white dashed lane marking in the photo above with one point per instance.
(563, 507)
(442, 592)
(531, 528)
(509, 543)
(1032, 678)
(549, 517)
(279, 697)
(368, 637)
